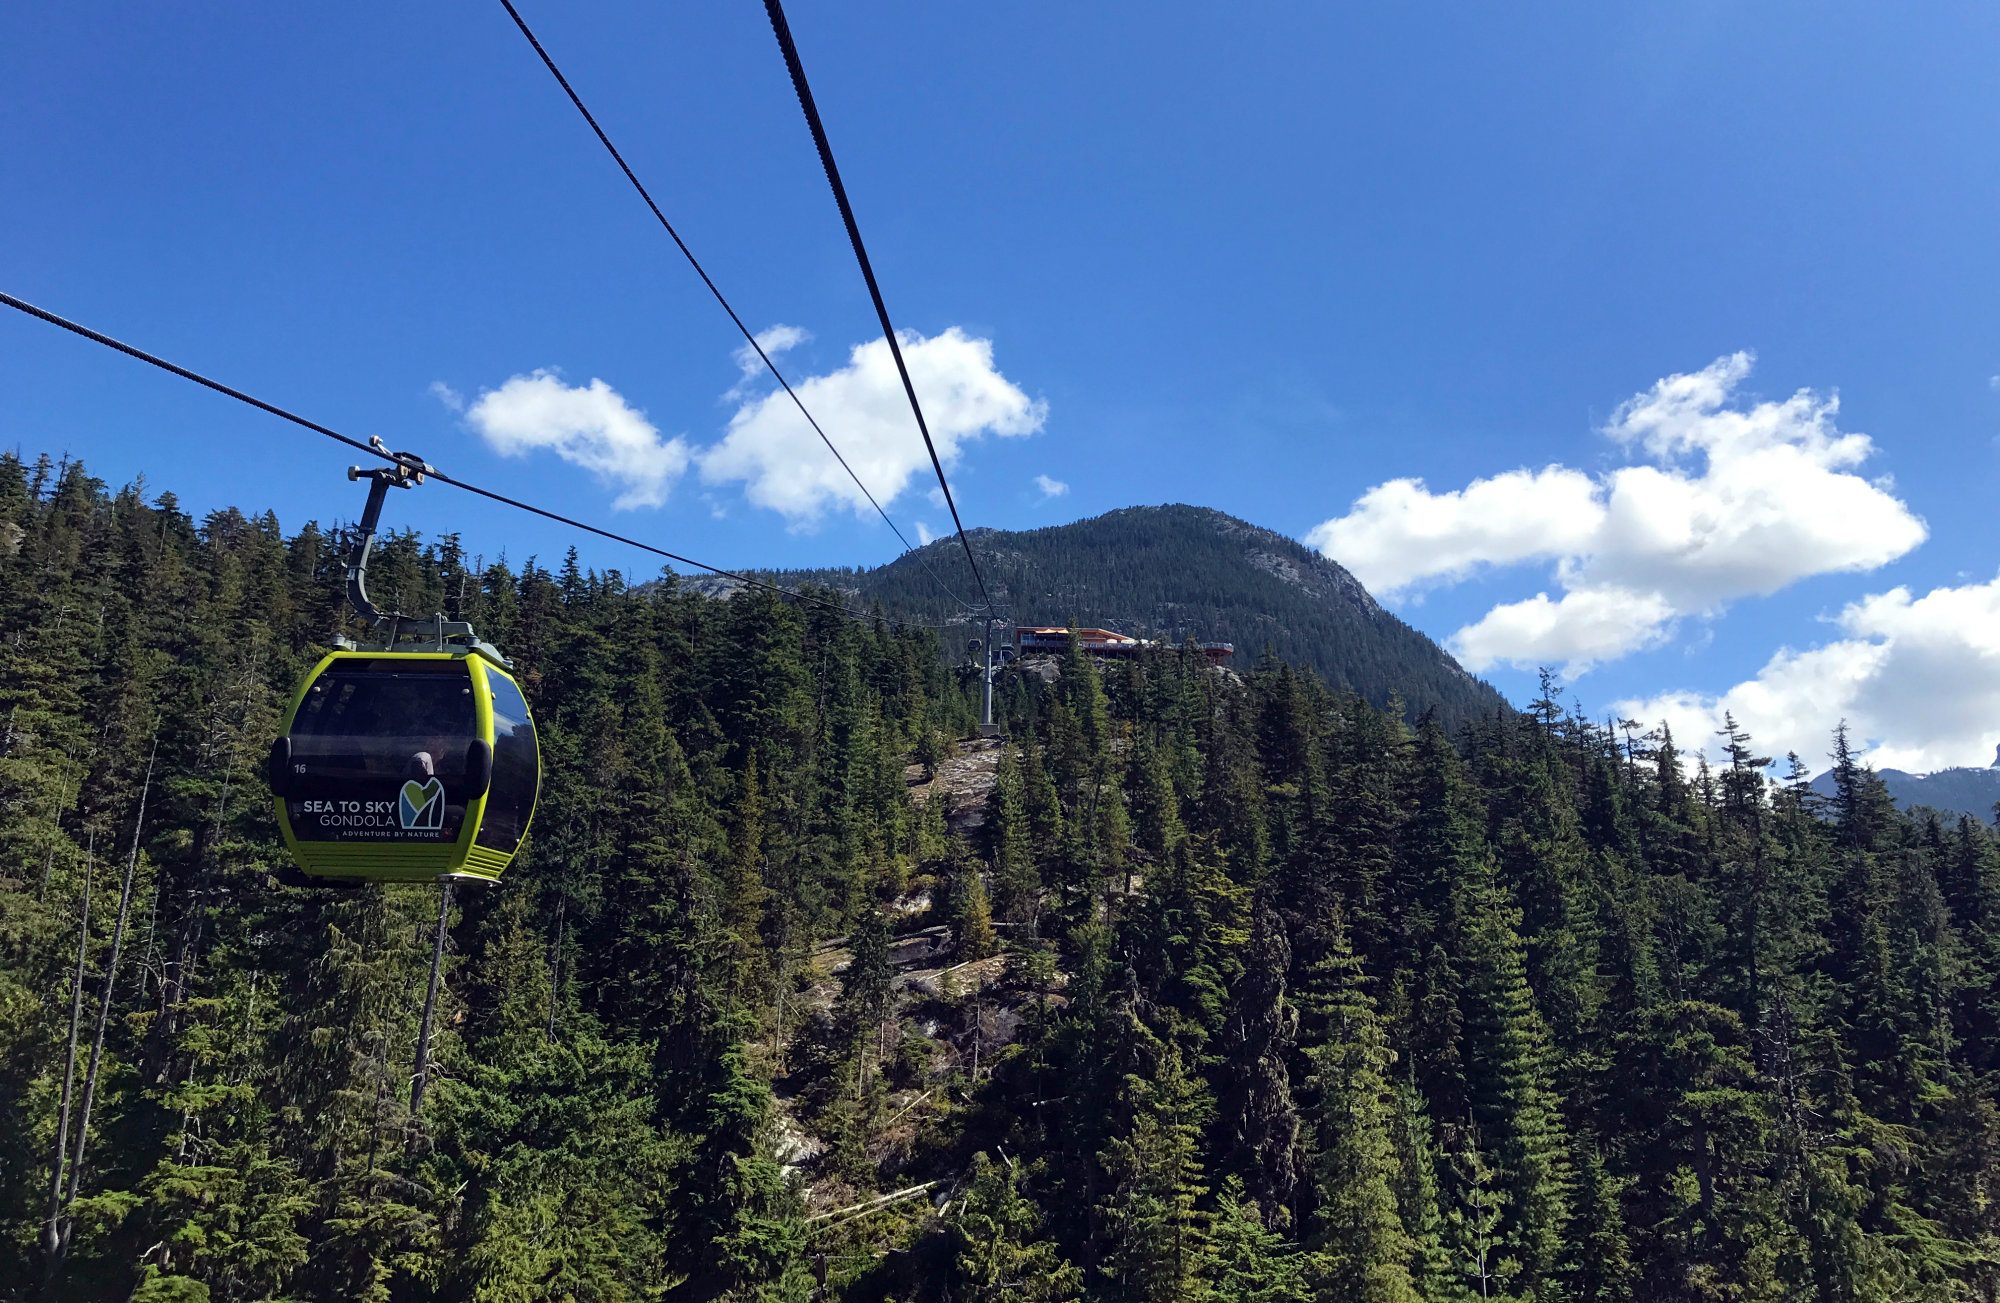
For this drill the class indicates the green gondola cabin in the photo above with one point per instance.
(406, 767)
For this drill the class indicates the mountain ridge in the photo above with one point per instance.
(1174, 571)
(1961, 789)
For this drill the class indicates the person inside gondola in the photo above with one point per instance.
(439, 728)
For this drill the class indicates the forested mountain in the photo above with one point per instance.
(1209, 987)
(1963, 790)
(1177, 572)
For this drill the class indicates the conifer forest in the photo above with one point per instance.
(1201, 984)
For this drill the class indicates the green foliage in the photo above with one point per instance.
(1017, 883)
(1298, 998)
(1154, 1230)
(1257, 1131)
(966, 913)
(1361, 1248)
(998, 1253)
(1248, 1260)
(572, 1184)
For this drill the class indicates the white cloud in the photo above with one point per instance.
(1400, 534)
(1051, 488)
(1735, 501)
(588, 425)
(774, 340)
(782, 465)
(1577, 630)
(1916, 678)
(445, 394)
(924, 534)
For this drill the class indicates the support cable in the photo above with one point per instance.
(751, 581)
(776, 12)
(748, 336)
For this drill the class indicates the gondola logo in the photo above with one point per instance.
(421, 808)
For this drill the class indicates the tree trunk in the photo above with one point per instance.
(146, 954)
(237, 1073)
(977, 1029)
(51, 1239)
(187, 939)
(555, 968)
(104, 1010)
(421, 1076)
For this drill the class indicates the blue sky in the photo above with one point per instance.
(1264, 258)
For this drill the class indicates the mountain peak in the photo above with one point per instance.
(1177, 571)
(1961, 790)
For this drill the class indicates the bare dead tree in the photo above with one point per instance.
(555, 965)
(421, 1076)
(64, 1224)
(51, 1240)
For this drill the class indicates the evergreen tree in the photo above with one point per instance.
(1040, 802)
(739, 1224)
(1361, 1250)
(1700, 1136)
(865, 992)
(966, 912)
(1156, 817)
(1017, 885)
(1154, 1234)
(1247, 1260)
(745, 891)
(1604, 1271)
(998, 1254)
(1510, 1090)
(1417, 1194)
(1257, 1133)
